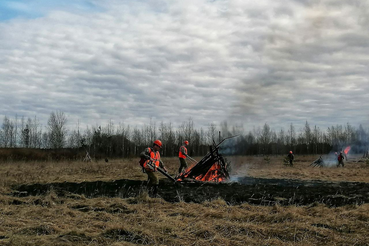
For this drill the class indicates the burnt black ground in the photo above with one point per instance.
(244, 189)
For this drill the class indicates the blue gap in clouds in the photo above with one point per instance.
(29, 9)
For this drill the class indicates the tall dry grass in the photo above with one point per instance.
(50, 220)
(77, 220)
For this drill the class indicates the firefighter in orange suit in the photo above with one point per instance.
(290, 158)
(152, 156)
(182, 157)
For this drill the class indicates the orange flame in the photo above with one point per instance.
(213, 174)
(347, 149)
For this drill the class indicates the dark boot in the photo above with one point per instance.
(155, 190)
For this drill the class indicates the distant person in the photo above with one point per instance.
(151, 161)
(182, 157)
(366, 154)
(345, 155)
(340, 160)
(290, 158)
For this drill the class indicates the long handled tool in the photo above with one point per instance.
(161, 170)
(191, 159)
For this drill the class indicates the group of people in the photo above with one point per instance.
(340, 158)
(150, 162)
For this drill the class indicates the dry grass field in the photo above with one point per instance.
(78, 220)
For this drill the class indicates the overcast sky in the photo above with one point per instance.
(247, 62)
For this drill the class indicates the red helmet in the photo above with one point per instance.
(291, 152)
(158, 143)
(185, 142)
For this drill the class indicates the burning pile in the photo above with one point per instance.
(318, 162)
(212, 167)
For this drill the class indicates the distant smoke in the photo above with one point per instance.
(238, 168)
(229, 146)
(331, 159)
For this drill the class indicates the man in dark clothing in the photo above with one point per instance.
(182, 155)
(290, 158)
(151, 157)
(340, 159)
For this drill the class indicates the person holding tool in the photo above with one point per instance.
(151, 162)
(182, 157)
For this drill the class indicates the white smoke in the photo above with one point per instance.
(238, 168)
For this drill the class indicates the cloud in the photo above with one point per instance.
(132, 61)
(31, 9)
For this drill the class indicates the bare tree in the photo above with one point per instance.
(25, 136)
(164, 134)
(7, 132)
(137, 139)
(316, 139)
(45, 140)
(281, 141)
(35, 133)
(265, 138)
(124, 133)
(189, 130)
(74, 140)
(57, 129)
(152, 132)
(87, 139)
(185, 131)
(362, 135)
(15, 132)
(350, 134)
(212, 129)
(307, 136)
(291, 136)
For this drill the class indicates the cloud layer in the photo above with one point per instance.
(242, 61)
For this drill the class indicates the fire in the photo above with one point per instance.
(214, 174)
(347, 150)
(213, 167)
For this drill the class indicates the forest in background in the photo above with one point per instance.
(122, 141)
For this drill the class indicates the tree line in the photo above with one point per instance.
(128, 141)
